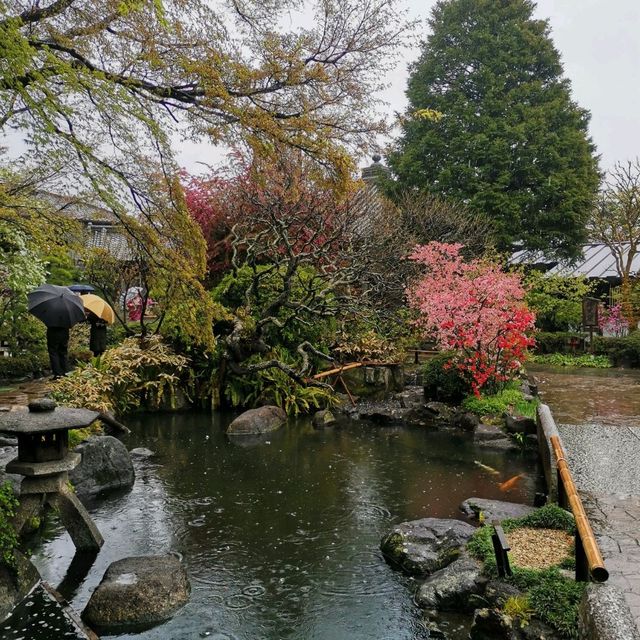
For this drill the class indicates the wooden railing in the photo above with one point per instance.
(417, 352)
(589, 562)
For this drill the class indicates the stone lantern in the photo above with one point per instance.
(44, 460)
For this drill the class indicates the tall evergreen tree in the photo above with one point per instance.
(491, 122)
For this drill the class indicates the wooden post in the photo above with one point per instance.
(582, 563)
(501, 548)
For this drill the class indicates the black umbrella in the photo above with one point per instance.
(56, 306)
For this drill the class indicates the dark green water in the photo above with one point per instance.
(280, 538)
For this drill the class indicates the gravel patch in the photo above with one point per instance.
(538, 548)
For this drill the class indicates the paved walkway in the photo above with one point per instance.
(605, 462)
(18, 395)
(598, 417)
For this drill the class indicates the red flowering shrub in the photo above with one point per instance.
(475, 310)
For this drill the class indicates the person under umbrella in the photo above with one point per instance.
(99, 314)
(59, 309)
(97, 334)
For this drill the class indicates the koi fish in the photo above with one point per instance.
(511, 482)
(486, 467)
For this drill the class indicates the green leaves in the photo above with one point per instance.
(510, 143)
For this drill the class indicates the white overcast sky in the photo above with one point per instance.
(599, 41)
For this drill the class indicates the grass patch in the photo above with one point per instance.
(553, 598)
(569, 360)
(510, 399)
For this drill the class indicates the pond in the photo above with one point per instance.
(281, 538)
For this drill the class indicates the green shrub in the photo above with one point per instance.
(135, 374)
(21, 366)
(569, 360)
(621, 351)
(554, 342)
(236, 294)
(556, 300)
(273, 386)
(443, 382)
(519, 608)
(510, 399)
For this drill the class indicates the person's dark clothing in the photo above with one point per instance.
(97, 335)
(57, 346)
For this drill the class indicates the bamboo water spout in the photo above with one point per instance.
(589, 562)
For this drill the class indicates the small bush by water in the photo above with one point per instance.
(443, 382)
(511, 400)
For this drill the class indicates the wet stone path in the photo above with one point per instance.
(598, 416)
(18, 394)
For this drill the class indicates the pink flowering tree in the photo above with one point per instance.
(474, 309)
(612, 321)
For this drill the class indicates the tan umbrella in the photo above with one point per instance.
(99, 307)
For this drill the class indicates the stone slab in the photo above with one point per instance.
(58, 420)
(38, 469)
(494, 509)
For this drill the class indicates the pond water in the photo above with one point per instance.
(281, 538)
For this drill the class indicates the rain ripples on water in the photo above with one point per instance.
(281, 541)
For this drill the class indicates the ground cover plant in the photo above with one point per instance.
(508, 400)
(551, 597)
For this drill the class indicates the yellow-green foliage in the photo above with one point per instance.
(519, 608)
(138, 371)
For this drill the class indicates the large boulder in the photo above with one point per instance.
(16, 582)
(451, 587)
(257, 421)
(421, 547)
(605, 615)
(106, 465)
(494, 509)
(322, 419)
(137, 593)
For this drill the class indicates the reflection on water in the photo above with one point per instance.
(577, 396)
(281, 538)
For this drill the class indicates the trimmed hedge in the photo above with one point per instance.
(28, 364)
(554, 342)
(623, 352)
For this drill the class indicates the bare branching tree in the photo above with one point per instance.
(615, 220)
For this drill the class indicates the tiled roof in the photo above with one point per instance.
(597, 261)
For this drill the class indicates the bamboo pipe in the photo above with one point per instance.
(596, 564)
(346, 367)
